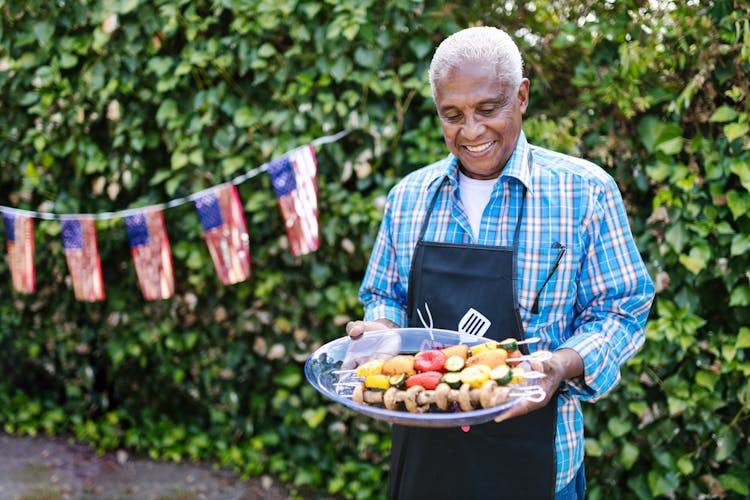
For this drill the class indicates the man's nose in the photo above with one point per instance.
(473, 128)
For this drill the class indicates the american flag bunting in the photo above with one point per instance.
(82, 255)
(19, 238)
(293, 177)
(223, 222)
(151, 253)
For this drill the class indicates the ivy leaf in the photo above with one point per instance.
(726, 441)
(244, 118)
(734, 483)
(167, 112)
(660, 171)
(723, 114)
(314, 417)
(685, 464)
(706, 379)
(179, 160)
(629, 455)
(676, 406)
(43, 31)
(125, 6)
(340, 69)
(593, 448)
(739, 203)
(740, 245)
(658, 136)
(366, 57)
(618, 426)
(696, 260)
(289, 377)
(662, 483)
(743, 338)
(741, 168)
(232, 164)
(670, 146)
(677, 237)
(420, 46)
(735, 130)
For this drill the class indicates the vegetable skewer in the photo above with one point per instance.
(417, 399)
(456, 377)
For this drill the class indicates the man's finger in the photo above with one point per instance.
(355, 328)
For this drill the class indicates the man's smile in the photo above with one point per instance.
(479, 148)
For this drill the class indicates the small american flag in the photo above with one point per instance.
(223, 222)
(82, 255)
(151, 253)
(19, 237)
(293, 178)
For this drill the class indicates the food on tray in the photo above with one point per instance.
(403, 363)
(509, 346)
(491, 358)
(418, 399)
(456, 376)
(428, 380)
(427, 361)
(461, 350)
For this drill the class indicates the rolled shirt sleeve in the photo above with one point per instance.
(614, 297)
(382, 291)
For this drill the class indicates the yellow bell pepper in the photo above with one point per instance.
(487, 346)
(518, 377)
(374, 367)
(378, 381)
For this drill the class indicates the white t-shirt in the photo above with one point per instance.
(475, 193)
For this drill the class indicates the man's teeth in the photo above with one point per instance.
(479, 148)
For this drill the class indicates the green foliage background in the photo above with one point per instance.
(113, 104)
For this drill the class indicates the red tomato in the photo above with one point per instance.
(514, 356)
(428, 380)
(429, 361)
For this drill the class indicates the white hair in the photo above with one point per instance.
(481, 43)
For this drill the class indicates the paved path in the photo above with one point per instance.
(52, 468)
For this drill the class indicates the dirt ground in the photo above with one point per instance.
(52, 468)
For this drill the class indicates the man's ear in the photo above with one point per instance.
(523, 94)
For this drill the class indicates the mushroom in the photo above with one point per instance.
(417, 399)
(442, 392)
(411, 400)
(391, 398)
(358, 396)
(502, 393)
(374, 397)
(426, 398)
(486, 394)
(464, 397)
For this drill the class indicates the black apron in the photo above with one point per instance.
(513, 459)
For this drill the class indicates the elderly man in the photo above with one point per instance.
(538, 243)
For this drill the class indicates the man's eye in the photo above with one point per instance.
(487, 111)
(451, 118)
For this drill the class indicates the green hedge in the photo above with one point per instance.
(116, 104)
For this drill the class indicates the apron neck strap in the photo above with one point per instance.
(427, 216)
(517, 230)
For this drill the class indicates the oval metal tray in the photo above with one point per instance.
(344, 354)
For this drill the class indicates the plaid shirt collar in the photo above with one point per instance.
(518, 166)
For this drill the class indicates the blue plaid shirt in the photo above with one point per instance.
(597, 301)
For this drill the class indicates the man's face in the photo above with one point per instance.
(481, 117)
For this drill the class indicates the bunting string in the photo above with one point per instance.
(176, 202)
(293, 177)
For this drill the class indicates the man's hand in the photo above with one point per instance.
(363, 349)
(564, 364)
(355, 329)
